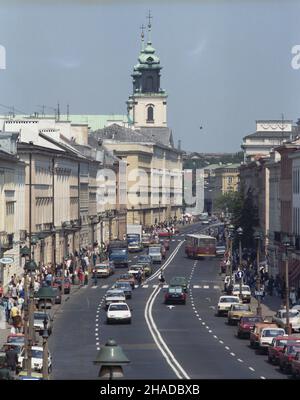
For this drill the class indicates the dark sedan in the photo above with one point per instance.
(175, 294)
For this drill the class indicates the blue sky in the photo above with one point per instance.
(225, 63)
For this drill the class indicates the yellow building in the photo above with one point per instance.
(226, 179)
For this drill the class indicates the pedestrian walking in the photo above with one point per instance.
(11, 357)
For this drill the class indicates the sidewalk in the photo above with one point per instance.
(269, 305)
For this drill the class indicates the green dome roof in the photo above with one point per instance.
(145, 58)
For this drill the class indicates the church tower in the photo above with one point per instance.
(147, 106)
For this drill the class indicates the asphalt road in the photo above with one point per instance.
(162, 342)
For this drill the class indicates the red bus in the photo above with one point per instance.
(200, 246)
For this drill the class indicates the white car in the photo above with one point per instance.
(37, 359)
(114, 296)
(225, 303)
(155, 253)
(118, 312)
(246, 292)
(267, 336)
(294, 317)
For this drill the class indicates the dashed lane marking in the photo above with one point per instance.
(216, 287)
(232, 354)
(239, 360)
(262, 377)
(251, 369)
(145, 286)
(221, 341)
(104, 287)
(94, 287)
(205, 287)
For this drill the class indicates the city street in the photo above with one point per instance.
(201, 344)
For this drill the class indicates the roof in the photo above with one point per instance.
(159, 136)
(276, 134)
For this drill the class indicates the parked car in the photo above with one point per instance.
(287, 355)
(237, 311)
(58, 297)
(38, 321)
(37, 359)
(277, 347)
(125, 286)
(266, 337)
(57, 283)
(175, 294)
(294, 317)
(118, 312)
(256, 333)
(295, 365)
(246, 325)
(179, 281)
(246, 292)
(114, 296)
(224, 304)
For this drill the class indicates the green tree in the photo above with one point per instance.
(245, 215)
(226, 202)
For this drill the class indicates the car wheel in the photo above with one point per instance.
(281, 367)
(251, 344)
(229, 322)
(270, 360)
(239, 335)
(108, 321)
(129, 321)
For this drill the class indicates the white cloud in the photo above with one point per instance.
(198, 49)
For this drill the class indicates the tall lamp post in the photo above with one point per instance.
(257, 237)
(29, 268)
(239, 231)
(45, 293)
(231, 230)
(286, 243)
(112, 358)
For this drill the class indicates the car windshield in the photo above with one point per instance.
(154, 250)
(252, 320)
(118, 307)
(241, 307)
(280, 343)
(125, 276)
(115, 294)
(40, 316)
(175, 290)
(101, 266)
(273, 332)
(293, 349)
(118, 252)
(143, 259)
(229, 300)
(125, 285)
(292, 314)
(36, 353)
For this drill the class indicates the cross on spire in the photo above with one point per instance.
(149, 16)
(142, 35)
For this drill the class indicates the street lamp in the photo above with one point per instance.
(239, 231)
(111, 357)
(132, 208)
(45, 293)
(231, 230)
(29, 268)
(286, 243)
(257, 237)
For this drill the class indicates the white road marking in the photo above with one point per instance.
(251, 369)
(161, 344)
(210, 331)
(216, 337)
(221, 341)
(207, 327)
(205, 287)
(240, 360)
(98, 348)
(97, 344)
(196, 287)
(94, 287)
(145, 286)
(232, 354)
(216, 287)
(262, 377)
(173, 240)
(96, 329)
(203, 323)
(227, 348)
(84, 287)
(97, 324)
(104, 287)
(154, 286)
(135, 257)
(136, 286)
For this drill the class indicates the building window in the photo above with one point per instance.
(150, 114)
(10, 207)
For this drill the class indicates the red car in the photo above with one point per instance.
(277, 347)
(246, 325)
(287, 355)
